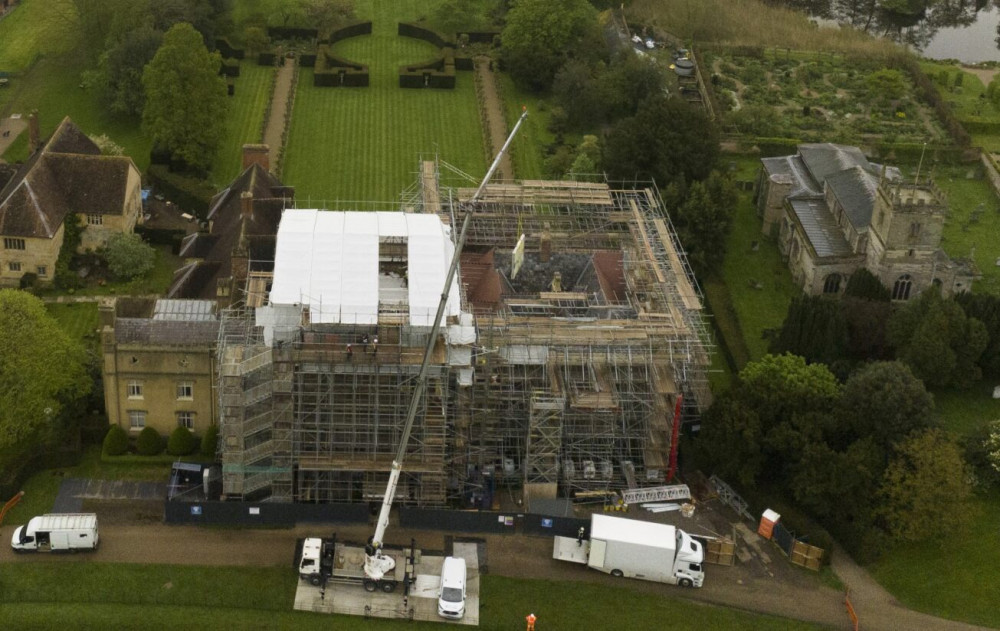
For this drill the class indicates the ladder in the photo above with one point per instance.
(657, 494)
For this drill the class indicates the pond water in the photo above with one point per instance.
(966, 30)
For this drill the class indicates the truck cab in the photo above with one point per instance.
(688, 565)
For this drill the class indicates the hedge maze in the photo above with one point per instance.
(435, 73)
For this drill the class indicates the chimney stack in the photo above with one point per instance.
(34, 136)
(246, 205)
(256, 154)
(545, 245)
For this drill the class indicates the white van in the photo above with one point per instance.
(65, 532)
(451, 601)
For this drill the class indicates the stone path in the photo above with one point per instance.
(493, 114)
(275, 129)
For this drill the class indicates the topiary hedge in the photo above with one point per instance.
(182, 442)
(230, 68)
(149, 443)
(209, 440)
(115, 441)
(333, 71)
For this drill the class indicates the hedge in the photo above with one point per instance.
(481, 37)
(115, 441)
(227, 50)
(770, 147)
(182, 442)
(209, 442)
(406, 29)
(230, 68)
(911, 152)
(927, 90)
(351, 30)
(149, 443)
(267, 58)
(434, 73)
(978, 125)
(333, 71)
(291, 32)
(191, 194)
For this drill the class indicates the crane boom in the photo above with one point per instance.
(377, 564)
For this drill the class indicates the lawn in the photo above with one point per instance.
(40, 490)
(962, 411)
(53, 88)
(966, 100)
(102, 595)
(365, 143)
(955, 576)
(35, 27)
(79, 319)
(528, 148)
(244, 121)
(157, 281)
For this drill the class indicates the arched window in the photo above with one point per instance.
(901, 288)
(832, 284)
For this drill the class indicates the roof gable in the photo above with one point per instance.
(856, 190)
(825, 159)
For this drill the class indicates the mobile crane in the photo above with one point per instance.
(317, 560)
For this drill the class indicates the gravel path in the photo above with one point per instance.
(495, 121)
(279, 106)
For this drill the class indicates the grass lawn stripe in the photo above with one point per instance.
(243, 123)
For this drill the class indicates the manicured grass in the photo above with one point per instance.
(964, 99)
(528, 147)
(961, 411)
(53, 88)
(157, 281)
(35, 27)
(79, 319)
(365, 143)
(223, 597)
(40, 490)
(952, 576)
(243, 123)
(961, 234)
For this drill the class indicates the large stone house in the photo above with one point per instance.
(65, 177)
(833, 212)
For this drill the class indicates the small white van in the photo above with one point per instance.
(64, 532)
(451, 601)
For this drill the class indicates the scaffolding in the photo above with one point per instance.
(568, 386)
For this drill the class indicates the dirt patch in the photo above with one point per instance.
(985, 74)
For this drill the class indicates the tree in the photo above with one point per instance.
(628, 81)
(704, 219)
(42, 376)
(209, 440)
(986, 309)
(454, 16)
(185, 98)
(886, 85)
(540, 35)
(982, 452)
(866, 322)
(778, 386)
(575, 90)
(326, 14)
(925, 490)
(938, 341)
(128, 256)
(867, 286)
(814, 328)
(756, 120)
(666, 140)
(587, 158)
(885, 401)
(730, 440)
(255, 38)
(121, 69)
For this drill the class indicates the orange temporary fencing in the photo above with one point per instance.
(10, 504)
(853, 615)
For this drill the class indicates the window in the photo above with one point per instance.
(185, 390)
(901, 288)
(914, 229)
(912, 252)
(832, 284)
(43, 271)
(136, 419)
(12, 243)
(95, 220)
(135, 389)
(185, 419)
(14, 267)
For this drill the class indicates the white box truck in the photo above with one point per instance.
(57, 532)
(636, 549)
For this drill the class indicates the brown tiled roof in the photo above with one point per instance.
(68, 174)
(215, 250)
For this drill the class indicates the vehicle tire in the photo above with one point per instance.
(388, 586)
(617, 573)
(315, 580)
(370, 585)
(686, 582)
(17, 550)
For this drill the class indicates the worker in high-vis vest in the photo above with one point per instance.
(531, 621)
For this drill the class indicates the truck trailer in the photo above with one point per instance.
(322, 560)
(57, 532)
(636, 549)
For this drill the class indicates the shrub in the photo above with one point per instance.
(209, 440)
(182, 442)
(150, 443)
(191, 194)
(115, 441)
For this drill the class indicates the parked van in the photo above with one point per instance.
(451, 601)
(58, 532)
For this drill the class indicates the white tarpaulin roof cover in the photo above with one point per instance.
(329, 261)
